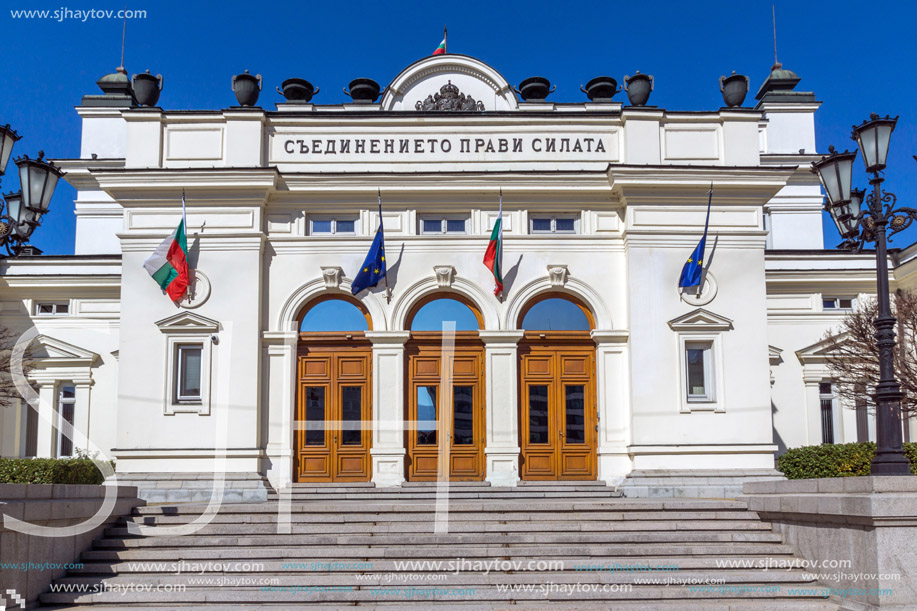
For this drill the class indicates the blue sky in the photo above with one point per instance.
(857, 57)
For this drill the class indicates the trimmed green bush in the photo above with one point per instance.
(835, 460)
(49, 471)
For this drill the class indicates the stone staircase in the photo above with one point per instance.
(539, 546)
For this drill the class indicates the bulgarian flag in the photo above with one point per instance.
(168, 265)
(441, 49)
(493, 256)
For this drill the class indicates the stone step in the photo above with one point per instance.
(427, 579)
(491, 507)
(473, 526)
(478, 595)
(339, 517)
(441, 551)
(578, 564)
(723, 605)
(453, 495)
(417, 539)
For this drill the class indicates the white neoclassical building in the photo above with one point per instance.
(591, 365)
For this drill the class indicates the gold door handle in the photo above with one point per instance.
(335, 439)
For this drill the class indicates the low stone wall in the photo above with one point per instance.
(862, 532)
(695, 483)
(196, 487)
(33, 562)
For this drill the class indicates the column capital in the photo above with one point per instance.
(388, 338)
(494, 338)
(609, 336)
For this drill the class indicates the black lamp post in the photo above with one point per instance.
(24, 209)
(875, 222)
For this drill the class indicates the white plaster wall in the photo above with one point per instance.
(654, 266)
(233, 266)
(790, 128)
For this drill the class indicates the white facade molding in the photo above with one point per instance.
(573, 287)
(445, 275)
(332, 276)
(430, 285)
(558, 275)
(187, 322)
(424, 77)
(289, 312)
(700, 320)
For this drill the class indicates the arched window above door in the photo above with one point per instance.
(556, 314)
(430, 315)
(334, 314)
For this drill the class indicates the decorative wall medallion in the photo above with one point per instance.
(449, 99)
(445, 274)
(558, 275)
(332, 277)
(198, 290)
(707, 294)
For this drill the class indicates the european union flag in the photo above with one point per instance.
(692, 272)
(373, 268)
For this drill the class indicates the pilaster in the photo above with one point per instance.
(502, 421)
(281, 373)
(388, 406)
(612, 359)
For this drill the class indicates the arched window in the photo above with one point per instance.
(556, 314)
(430, 316)
(334, 315)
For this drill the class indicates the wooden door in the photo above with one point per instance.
(429, 407)
(557, 412)
(333, 404)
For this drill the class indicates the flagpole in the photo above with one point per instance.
(388, 291)
(445, 40)
(500, 239)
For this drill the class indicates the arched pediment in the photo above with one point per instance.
(429, 75)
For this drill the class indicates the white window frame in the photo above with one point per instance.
(36, 307)
(334, 221)
(60, 418)
(442, 219)
(709, 385)
(835, 415)
(185, 329)
(701, 327)
(553, 218)
(837, 303)
(179, 397)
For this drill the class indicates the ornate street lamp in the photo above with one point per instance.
(24, 209)
(876, 222)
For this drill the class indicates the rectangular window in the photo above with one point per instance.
(838, 303)
(538, 414)
(52, 308)
(443, 226)
(188, 374)
(66, 404)
(426, 415)
(826, 397)
(698, 370)
(333, 226)
(552, 224)
(463, 415)
(351, 415)
(575, 407)
(315, 415)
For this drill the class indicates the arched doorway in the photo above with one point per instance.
(557, 406)
(434, 414)
(333, 392)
